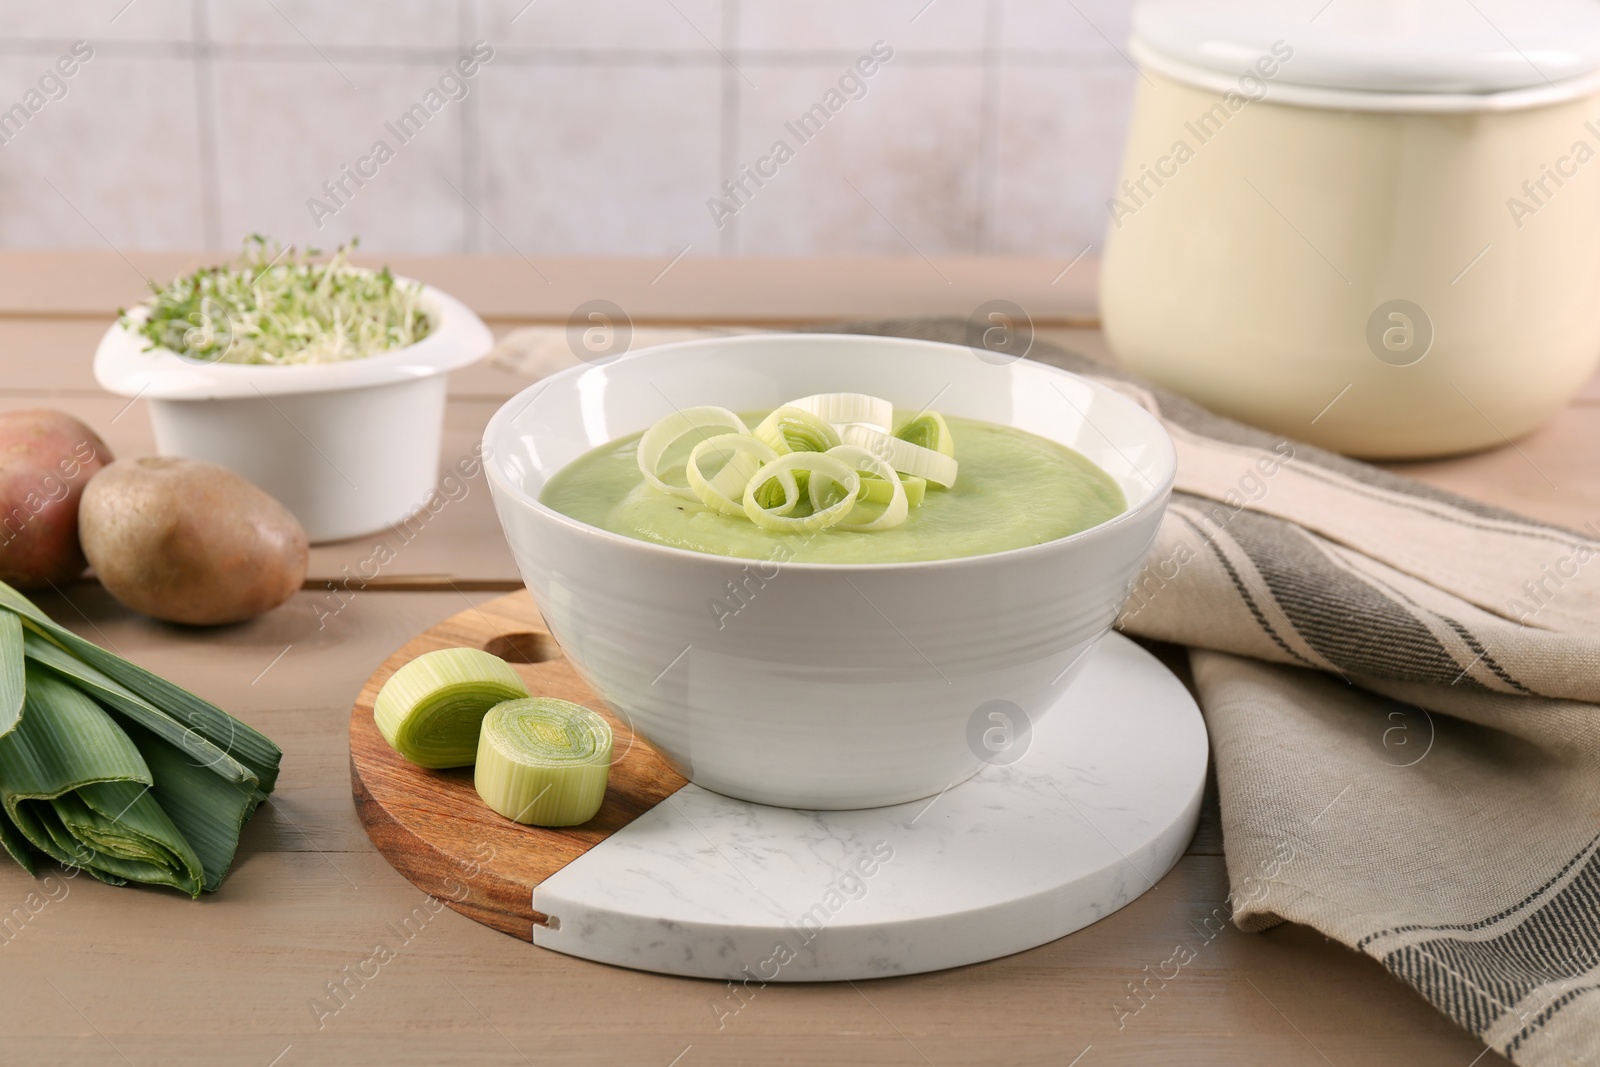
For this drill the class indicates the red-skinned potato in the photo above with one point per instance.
(46, 459)
(190, 542)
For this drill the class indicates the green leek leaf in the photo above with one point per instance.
(210, 722)
(11, 683)
(120, 700)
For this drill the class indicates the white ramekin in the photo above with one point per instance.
(832, 686)
(349, 447)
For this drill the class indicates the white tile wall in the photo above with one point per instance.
(599, 126)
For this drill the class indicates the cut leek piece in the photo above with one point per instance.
(659, 440)
(792, 429)
(742, 455)
(862, 462)
(430, 710)
(903, 456)
(929, 430)
(820, 468)
(840, 408)
(878, 491)
(543, 761)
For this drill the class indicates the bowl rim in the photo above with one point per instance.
(122, 364)
(1155, 501)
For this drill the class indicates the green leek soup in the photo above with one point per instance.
(1014, 489)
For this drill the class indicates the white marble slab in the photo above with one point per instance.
(1102, 804)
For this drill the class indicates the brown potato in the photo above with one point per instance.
(46, 459)
(190, 542)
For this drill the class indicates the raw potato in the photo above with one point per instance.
(46, 458)
(190, 542)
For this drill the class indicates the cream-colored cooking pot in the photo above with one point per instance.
(1375, 226)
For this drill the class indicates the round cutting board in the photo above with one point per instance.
(432, 827)
(674, 878)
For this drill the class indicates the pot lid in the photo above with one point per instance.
(1379, 46)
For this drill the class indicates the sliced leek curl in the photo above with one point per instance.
(822, 461)
(820, 468)
(929, 430)
(543, 761)
(658, 439)
(430, 710)
(903, 456)
(847, 408)
(793, 429)
(743, 456)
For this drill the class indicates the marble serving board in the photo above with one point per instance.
(674, 878)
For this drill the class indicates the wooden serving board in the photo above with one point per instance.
(432, 827)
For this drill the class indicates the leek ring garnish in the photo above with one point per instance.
(766, 474)
(929, 430)
(543, 761)
(658, 439)
(794, 429)
(863, 462)
(903, 456)
(840, 408)
(817, 465)
(724, 491)
(430, 710)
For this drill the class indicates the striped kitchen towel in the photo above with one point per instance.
(1401, 688)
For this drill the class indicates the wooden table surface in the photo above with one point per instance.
(147, 977)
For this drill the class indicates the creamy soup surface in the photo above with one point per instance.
(1014, 489)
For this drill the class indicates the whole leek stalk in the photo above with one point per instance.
(109, 768)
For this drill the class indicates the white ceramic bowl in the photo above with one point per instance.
(834, 686)
(349, 447)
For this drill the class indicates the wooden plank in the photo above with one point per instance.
(68, 284)
(243, 975)
(1551, 474)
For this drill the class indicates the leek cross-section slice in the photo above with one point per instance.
(543, 761)
(792, 429)
(930, 431)
(821, 469)
(430, 710)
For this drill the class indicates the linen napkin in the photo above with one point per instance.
(1400, 686)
